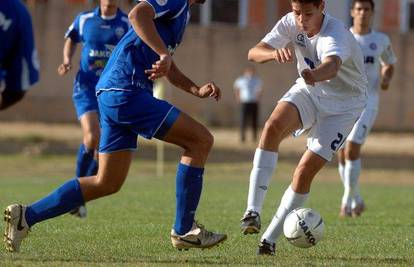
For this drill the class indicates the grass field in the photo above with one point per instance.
(132, 227)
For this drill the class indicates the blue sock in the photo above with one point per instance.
(62, 200)
(189, 182)
(86, 165)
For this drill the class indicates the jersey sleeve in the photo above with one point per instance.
(23, 69)
(278, 37)
(166, 8)
(335, 44)
(236, 85)
(388, 56)
(73, 31)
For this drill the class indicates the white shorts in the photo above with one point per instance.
(328, 119)
(363, 126)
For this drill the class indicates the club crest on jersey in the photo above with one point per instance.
(300, 40)
(162, 2)
(119, 32)
(373, 46)
(4, 23)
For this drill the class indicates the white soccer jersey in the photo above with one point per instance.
(333, 39)
(377, 50)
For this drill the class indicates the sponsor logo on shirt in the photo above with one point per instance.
(99, 53)
(4, 23)
(300, 40)
(119, 32)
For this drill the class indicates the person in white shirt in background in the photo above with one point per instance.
(326, 100)
(248, 90)
(379, 62)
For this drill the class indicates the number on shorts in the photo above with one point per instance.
(337, 142)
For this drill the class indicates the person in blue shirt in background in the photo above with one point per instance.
(99, 31)
(128, 109)
(19, 64)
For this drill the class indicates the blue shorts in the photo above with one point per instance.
(127, 114)
(84, 99)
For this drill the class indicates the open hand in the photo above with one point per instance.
(282, 55)
(160, 68)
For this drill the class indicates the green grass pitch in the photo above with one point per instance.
(132, 227)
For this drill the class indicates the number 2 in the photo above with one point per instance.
(337, 142)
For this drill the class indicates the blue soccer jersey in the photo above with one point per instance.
(19, 65)
(129, 60)
(98, 36)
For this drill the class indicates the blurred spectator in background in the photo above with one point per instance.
(247, 90)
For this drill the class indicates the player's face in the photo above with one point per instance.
(362, 13)
(308, 16)
(109, 7)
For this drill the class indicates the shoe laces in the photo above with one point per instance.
(204, 231)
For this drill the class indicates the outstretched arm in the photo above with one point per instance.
(263, 52)
(326, 71)
(178, 79)
(69, 49)
(141, 18)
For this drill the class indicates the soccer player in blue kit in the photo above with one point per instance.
(19, 65)
(128, 109)
(99, 31)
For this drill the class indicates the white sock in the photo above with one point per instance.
(290, 201)
(341, 169)
(351, 176)
(264, 163)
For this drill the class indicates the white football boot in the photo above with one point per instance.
(197, 237)
(16, 227)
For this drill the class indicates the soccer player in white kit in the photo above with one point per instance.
(326, 100)
(379, 62)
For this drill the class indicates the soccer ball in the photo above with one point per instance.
(303, 227)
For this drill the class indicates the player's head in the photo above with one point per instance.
(249, 71)
(362, 12)
(109, 7)
(308, 14)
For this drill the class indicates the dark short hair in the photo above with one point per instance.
(363, 1)
(315, 2)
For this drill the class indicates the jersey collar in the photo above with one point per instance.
(97, 12)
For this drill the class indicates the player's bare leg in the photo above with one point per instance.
(87, 156)
(283, 121)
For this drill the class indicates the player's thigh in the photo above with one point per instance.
(330, 132)
(285, 117)
(362, 127)
(187, 132)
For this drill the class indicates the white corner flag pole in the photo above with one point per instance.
(159, 92)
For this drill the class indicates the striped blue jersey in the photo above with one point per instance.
(126, 67)
(98, 36)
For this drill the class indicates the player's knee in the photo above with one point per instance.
(352, 153)
(91, 139)
(205, 143)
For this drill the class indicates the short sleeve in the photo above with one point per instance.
(278, 37)
(73, 31)
(167, 8)
(335, 44)
(388, 56)
(236, 84)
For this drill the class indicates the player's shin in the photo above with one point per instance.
(264, 164)
(290, 200)
(65, 198)
(189, 182)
